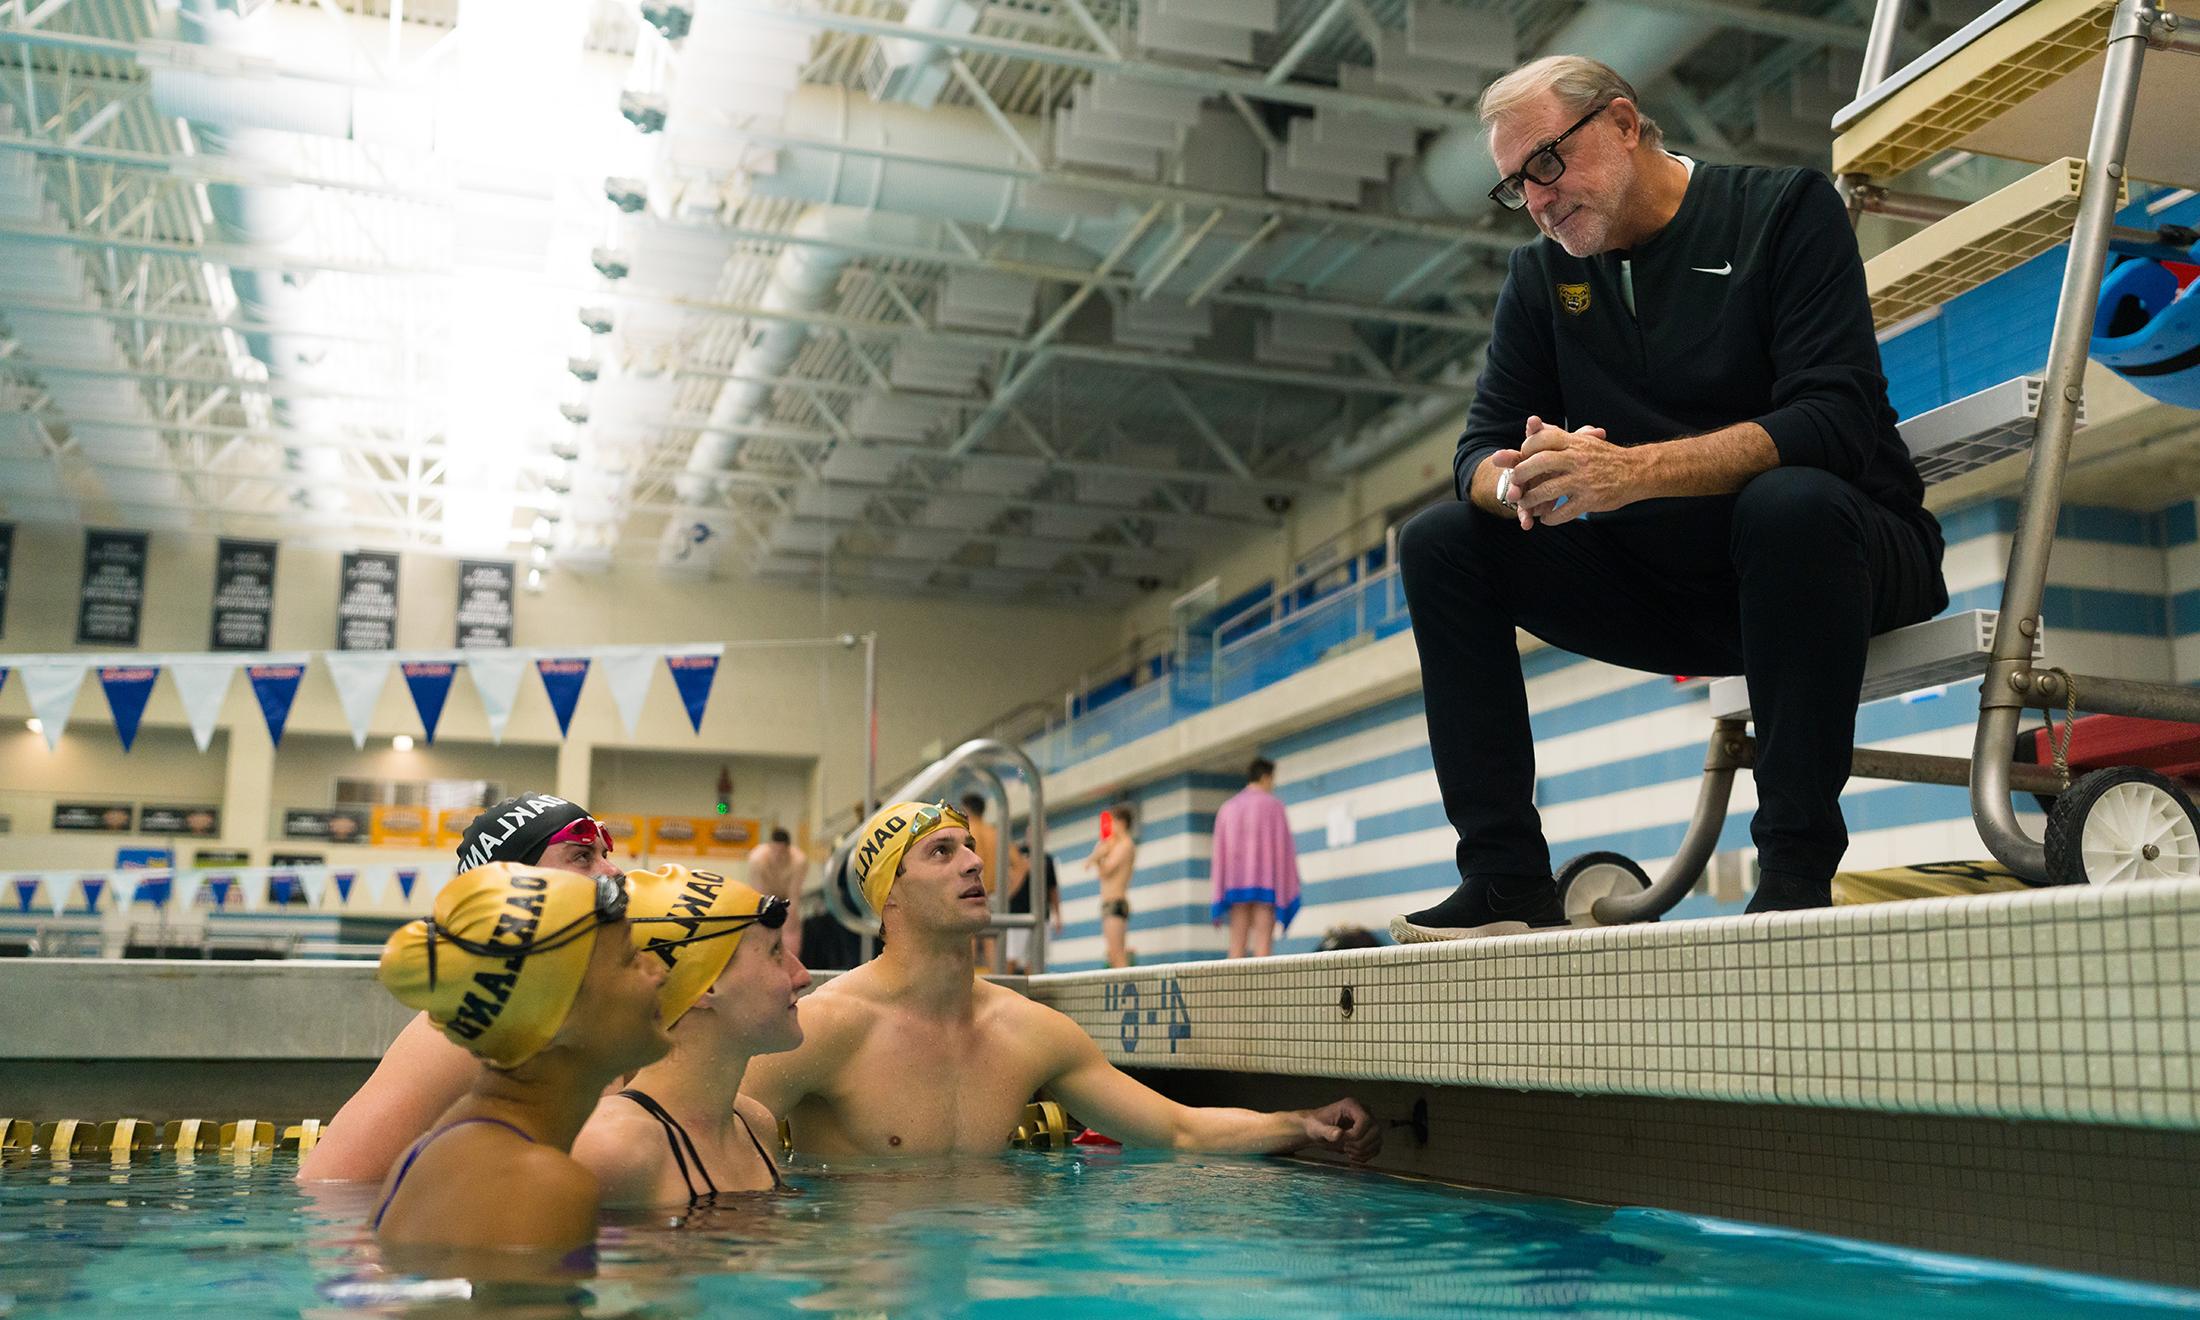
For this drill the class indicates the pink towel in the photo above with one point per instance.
(1254, 858)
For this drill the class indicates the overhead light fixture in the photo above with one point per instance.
(35, 724)
(534, 579)
(402, 743)
(540, 556)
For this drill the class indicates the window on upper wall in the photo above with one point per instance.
(434, 794)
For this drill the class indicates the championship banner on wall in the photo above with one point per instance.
(401, 827)
(244, 595)
(113, 589)
(484, 603)
(366, 602)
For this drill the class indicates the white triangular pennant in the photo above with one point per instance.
(375, 880)
(496, 680)
(59, 885)
(314, 880)
(124, 885)
(252, 887)
(51, 686)
(203, 684)
(629, 672)
(360, 677)
(184, 892)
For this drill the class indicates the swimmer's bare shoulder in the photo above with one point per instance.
(625, 1149)
(490, 1189)
(420, 1075)
(836, 1018)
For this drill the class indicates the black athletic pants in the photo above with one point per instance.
(1786, 582)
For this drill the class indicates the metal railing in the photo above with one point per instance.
(984, 758)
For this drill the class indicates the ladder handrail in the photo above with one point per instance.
(986, 757)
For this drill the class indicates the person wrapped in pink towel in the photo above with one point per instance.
(1256, 866)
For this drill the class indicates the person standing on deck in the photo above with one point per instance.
(1255, 864)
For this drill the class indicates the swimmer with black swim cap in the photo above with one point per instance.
(680, 1133)
(915, 1054)
(536, 973)
(422, 1074)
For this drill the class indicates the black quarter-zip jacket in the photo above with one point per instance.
(1750, 305)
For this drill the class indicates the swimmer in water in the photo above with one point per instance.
(536, 973)
(915, 1054)
(422, 1074)
(679, 1133)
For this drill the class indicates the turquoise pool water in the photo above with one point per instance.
(1061, 1235)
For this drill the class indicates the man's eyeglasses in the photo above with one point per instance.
(610, 906)
(1544, 165)
(771, 915)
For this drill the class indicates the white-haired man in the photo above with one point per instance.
(1680, 458)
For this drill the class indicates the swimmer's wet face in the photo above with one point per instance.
(942, 882)
(754, 998)
(616, 1018)
(1581, 206)
(584, 847)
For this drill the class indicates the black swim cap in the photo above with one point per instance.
(515, 830)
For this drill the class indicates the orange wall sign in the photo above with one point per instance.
(401, 827)
(702, 836)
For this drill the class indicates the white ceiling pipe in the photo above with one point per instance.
(271, 218)
(805, 279)
(949, 136)
(1454, 174)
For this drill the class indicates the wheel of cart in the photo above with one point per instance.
(1594, 875)
(2122, 823)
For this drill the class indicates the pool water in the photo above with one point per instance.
(1069, 1235)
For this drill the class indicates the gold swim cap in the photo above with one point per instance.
(886, 836)
(499, 964)
(693, 921)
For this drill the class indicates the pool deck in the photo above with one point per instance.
(2008, 1074)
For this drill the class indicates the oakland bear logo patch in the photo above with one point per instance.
(1574, 298)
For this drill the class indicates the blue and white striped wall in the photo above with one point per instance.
(1619, 756)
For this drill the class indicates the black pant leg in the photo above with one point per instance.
(1652, 593)
(1823, 568)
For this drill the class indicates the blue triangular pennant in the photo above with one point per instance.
(276, 686)
(430, 681)
(155, 892)
(127, 688)
(24, 890)
(94, 886)
(344, 881)
(219, 888)
(405, 881)
(692, 675)
(282, 890)
(561, 682)
(3, 678)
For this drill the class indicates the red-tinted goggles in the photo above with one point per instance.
(584, 830)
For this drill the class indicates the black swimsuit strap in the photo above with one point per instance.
(676, 1137)
(778, 1184)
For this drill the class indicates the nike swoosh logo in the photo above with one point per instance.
(1726, 268)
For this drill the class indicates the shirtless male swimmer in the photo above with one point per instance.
(914, 1054)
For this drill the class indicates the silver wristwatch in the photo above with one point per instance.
(1504, 490)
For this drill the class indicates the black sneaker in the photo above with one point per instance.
(1475, 910)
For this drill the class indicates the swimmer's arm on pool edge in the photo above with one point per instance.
(420, 1075)
(1101, 1095)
